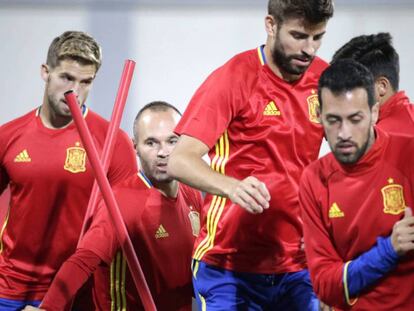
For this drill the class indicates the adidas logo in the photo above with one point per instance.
(335, 211)
(271, 109)
(23, 157)
(161, 233)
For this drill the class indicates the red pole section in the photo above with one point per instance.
(108, 148)
(111, 203)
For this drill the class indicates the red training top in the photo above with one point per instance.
(162, 231)
(397, 115)
(50, 181)
(256, 124)
(346, 207)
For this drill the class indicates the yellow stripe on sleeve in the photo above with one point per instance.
(345, 281)
(112, 287)
(216, 208)
(123, 290)
(203, 303)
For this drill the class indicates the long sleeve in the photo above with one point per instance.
(369, 267)
(336, 280)
(69, 279)
(325, 265)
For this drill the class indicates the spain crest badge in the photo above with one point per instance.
(195, 222)
(75, 159)
(393, 198)
(313, 107)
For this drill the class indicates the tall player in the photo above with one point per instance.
(256, 118)
(44, 162)
(359, 233)
(377, 53)
(162, 217)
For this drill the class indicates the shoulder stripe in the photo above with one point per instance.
(217, 203)
(262, 56)
(145, 179)
(345, 282)
(85, 111)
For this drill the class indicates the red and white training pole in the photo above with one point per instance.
(109, 144)
(109, 198)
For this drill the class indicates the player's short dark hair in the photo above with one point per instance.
(155, 106)
(75, 45)
(346, 75)
(313, 11)
(375, 52)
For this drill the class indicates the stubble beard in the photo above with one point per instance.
(355, 157)
(284, 61)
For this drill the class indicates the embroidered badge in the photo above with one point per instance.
(75, 159)
(195, 222)
(393, 197)
(313, 107)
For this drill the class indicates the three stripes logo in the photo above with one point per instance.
(271, 109)
(161, 233)
(335, 211)
(23, 157)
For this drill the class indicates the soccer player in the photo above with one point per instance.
(43, 161)
(376, 52)
(256, 118)
(359, 230)
(162, 217)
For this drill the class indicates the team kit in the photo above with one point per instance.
(263, 224)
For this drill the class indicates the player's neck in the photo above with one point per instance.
(50, 119)
(276, 70)
(169, 189)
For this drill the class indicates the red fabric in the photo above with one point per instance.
(357, 191)
(272, 145)
(71, 276)
(165, 255)
(397, 115)
(49, 196)
(4, 204)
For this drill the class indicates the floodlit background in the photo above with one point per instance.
(176, 44)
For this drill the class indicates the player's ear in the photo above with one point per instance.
(134, 143)
(382, 86)
(375, 113)
(270, 26)
(44, 72)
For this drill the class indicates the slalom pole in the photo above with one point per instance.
(108, 148)
(109, 198)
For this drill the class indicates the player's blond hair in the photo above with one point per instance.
(75, 45)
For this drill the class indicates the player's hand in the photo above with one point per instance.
(402, 236)
(251, 194)
(30, 308)
(324, 307)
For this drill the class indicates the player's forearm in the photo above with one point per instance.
(192, 170)
(370, 267)
(70, 277)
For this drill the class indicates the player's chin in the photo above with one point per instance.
(299, 70)
(163, 177)
(346, 158)
(64, 110)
